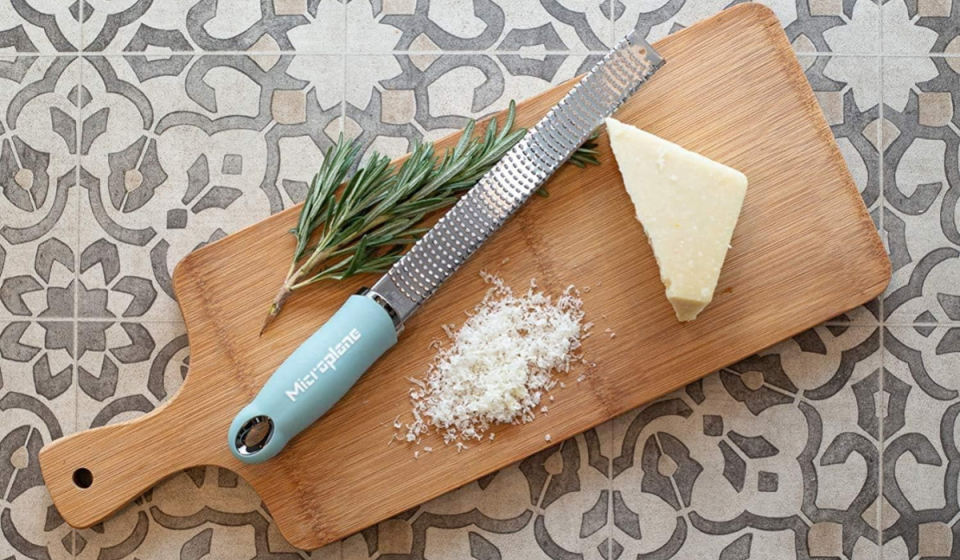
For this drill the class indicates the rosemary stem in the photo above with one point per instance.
(293, 268)
(290, 284)
(306, 282)
(315, 259)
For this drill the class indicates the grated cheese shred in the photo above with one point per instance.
(499, 365)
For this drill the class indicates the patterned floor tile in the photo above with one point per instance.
(553, 504)
(777, 453)
(40, 26)
(393, 99)
(921, 27)
(921, 181)
(38, 173)
(382, 26)
(179, 152)
(37, 278)
(183, 26)
(849, 27)
(921, 463)
(36, 406)
(127, 368)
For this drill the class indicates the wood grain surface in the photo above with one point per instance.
(805, 250)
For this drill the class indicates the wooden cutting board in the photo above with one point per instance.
(805, 250)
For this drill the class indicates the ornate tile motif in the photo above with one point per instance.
(38, 226)
(378, 26)
(36, 26)
(393, 99)
(779, 452)
(921, 27)
(38, 173)
(182, 150)
(127, 368)
(36, 406)
(187, 26)
(920, 458)
(921, 183)
(573, 26)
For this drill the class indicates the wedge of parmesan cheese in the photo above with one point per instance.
(688, 206)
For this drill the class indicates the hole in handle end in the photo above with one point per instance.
(83, 478)
(254, 435)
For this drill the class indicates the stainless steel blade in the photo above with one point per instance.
(522, 170)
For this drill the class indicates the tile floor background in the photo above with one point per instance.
(133, 131)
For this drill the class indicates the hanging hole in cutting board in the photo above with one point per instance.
(83, 478)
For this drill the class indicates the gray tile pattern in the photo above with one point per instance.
(718, 470)
(922, 188)
(393, 99)
(132, 132)
(919, 27)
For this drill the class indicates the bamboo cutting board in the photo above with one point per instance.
(805, 250)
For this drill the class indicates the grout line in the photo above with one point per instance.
(613, 41)
(613, 455)
(343, 68)
(880, 28)
(882, 413)
(889, 324)
(33, 319)
(76, 266)
(525, 53)
(76, 259)
(168, 54)
(941, 324)
(880, 198)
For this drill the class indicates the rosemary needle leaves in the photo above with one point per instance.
(366, 226)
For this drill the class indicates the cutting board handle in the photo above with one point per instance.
(94, 473)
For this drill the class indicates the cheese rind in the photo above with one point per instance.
(688, 206)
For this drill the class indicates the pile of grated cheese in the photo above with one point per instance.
(499, 365)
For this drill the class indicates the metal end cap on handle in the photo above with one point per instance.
(254, 435)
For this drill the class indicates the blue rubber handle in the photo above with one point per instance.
(314, 377)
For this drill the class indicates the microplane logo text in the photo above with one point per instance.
(327, 363)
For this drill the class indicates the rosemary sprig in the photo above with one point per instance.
(366, 226)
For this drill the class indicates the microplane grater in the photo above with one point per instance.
(521, 171)
(328, 363)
